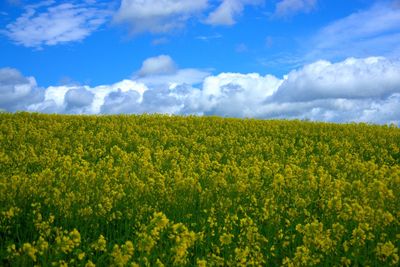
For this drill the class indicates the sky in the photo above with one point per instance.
(322, 60)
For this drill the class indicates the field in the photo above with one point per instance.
(155, 190)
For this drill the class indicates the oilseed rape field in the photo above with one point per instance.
(152, 190)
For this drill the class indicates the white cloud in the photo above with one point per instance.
(228, 10)
(47, 24)
(157, 87)
(162, 64)
(64, 99)
(290, 7)
(383, 111)
(157, 16)
(79, 98)
(373, 77)
(17, 91)
(181, 76)
(121, 102)
(360, 90)
(380, 111)
(162, 70)
(227, 94)
(233, 94)
(375, 31)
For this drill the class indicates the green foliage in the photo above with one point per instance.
(155, 190)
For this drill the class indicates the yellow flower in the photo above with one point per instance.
(128, 248)
(386, 251)
(62, 263)
(12, 250)
(345, 261)
(90, 264)
(29, 250)
(226, 239)
(201, 263)
(100, 245)
(42, 245)
(75, 236)
(119, 256)
(287, 262)
(81, 256)
(159, 263)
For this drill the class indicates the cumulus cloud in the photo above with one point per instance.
(373, 77)
(360, 90)
(162, 64)
(79, 98)
(157, 16)
(375, 31)
(380, 111)
(227, 94)
(228, 10)
(121, 102)
(163, 100)
(180, 76)
(286, 8)
(162, 70)
(48, 23)
(233, 94)
(62, 99)
(17, 91)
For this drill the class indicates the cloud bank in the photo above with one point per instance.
(356, 89)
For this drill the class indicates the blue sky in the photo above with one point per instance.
(315, 59)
